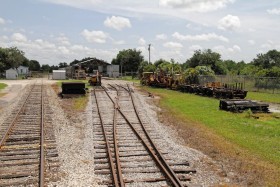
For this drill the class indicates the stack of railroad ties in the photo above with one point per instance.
(231, 95)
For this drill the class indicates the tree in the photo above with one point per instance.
(207, 58)
(268, 60)
(191, 75)
(129, 60)
(160, 61)
(46, 68)
(62, 65)
(34, 65)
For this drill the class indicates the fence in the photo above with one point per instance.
(249, 83)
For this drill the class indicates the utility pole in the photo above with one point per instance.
(149, 49)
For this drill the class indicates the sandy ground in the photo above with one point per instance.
(14, 88)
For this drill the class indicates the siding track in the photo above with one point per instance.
(28, 155)
(130, 157)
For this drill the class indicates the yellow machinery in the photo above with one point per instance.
(147, 78)
(95, 79)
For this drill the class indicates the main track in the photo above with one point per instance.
(126, 154)
(28, 155)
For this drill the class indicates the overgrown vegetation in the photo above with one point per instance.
(255, 140)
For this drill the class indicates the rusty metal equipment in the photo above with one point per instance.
(239, 105)
(95, 79)
(148, 79)
(73, 88)
(216, 89)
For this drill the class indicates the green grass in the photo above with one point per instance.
(80, 103)
(129, 78)
(2, 86)
(260, 137)
(266, 97)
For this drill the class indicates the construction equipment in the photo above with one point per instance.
(95, 79)
(148, 79)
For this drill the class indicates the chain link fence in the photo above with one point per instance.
(249, 83)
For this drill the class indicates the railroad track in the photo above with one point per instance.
(125, 152)
(28, 155)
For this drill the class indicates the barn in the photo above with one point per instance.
(11, 73)
(59, 75)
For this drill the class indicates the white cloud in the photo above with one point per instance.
(64, 50)
(174, 45)
(94, 36)
(235, 48)
(275, 11)
(227, 52)
(117, 22)
(195, 47)
(229, 22)
(63, 40)
(142, 41)
(161, 37)
(202, 37)
(19, 37)
(195, 5)
(266, 45)
(2, 21)
(252, 42)
(120, 42)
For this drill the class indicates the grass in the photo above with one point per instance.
(80, 103)
(2, 86)
(258, 137)
(266, 97)
(129, 78)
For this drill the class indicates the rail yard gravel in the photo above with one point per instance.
(74, 138)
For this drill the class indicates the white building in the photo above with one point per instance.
(113, 71)
(23, 70)
(11, 73)
(59, 75)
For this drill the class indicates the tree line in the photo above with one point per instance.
(202, 62)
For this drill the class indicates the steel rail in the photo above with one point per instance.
(15, 119)
(42, 139)
(109, 153)
(154, 156)
(152, 143)
(117, 157)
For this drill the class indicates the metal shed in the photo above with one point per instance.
(11, 74)
(59, 74)
(113, 71)
(23, 70)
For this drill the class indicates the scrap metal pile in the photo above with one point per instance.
(210, 89)
(231, 95)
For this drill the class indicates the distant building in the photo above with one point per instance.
(59, 75)
(23, 70)
(11, 73)
(113, 70)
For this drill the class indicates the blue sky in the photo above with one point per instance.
(53, 31)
